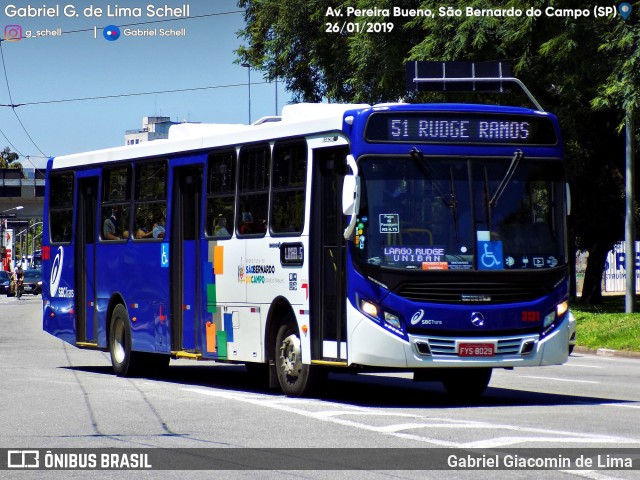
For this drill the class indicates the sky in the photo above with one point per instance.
(81, 63)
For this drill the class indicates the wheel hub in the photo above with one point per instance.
(290, 356)
(118, 347)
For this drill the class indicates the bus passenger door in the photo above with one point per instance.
(85, 276)
(328, 252)
(184, 259)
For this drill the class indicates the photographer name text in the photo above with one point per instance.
(91, 11)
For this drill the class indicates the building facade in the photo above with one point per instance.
(153, 128)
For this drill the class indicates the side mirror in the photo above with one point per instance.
(351, 195)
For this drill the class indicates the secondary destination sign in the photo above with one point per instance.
(436, 127)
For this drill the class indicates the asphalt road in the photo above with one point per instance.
(55, 396)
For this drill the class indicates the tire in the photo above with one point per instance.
(126, 363)
(123, 360)
(296, 379)
(467, 383)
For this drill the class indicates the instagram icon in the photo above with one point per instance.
(12, 33)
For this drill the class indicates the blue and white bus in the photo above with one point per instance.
(425, 238)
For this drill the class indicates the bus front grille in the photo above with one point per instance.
(471, 293)
(440, 346)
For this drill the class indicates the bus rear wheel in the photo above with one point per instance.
(464, 383)
(122, 358)
(295, 378)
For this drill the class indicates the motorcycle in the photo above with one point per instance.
(20, 288)
(12, 287)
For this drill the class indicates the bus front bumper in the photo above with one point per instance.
(371, 345)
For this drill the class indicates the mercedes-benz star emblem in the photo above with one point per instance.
(477, 319)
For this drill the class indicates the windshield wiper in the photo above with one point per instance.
(432, 175)
(517, 156)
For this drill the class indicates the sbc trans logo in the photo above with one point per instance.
(417, 317)
(56, 272)
(56, 275)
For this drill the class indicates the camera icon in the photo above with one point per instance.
(12, 33)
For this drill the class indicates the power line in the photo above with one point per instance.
(135, 94)
(13, 108)
(13, 105)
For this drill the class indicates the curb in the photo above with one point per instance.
(606, 352)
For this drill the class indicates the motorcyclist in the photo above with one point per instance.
(20, 281)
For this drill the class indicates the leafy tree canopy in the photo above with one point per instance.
(585, 70)
(8, 159)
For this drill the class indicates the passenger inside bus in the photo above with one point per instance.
(220, 227)
(158, 230)
(246, 228)
(110, 230)
(143, 232)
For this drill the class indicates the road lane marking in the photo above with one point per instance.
(623, 405)
(581, 366)
(336, 416)
(559, 379)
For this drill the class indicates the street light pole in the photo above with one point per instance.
(248, 67)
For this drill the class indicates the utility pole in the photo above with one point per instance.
(630, 220)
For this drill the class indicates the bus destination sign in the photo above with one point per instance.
(452, 128)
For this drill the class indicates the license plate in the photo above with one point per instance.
(476, 350)
(27, 288)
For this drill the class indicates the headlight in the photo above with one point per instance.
(392, 320)
(369, 308)
(548, 319)
(372, 310)
(562, 308)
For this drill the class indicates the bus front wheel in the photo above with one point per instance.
(295, 378)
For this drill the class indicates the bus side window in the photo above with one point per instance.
(116, 199)
(221, 194)
(253, 191)
(288, 187)
(150, 200)
(61, 207)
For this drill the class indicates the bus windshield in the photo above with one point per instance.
(430, 213)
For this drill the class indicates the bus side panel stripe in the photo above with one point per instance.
(211, 298)
(209, 279)
(218, 255)
(228, 326)
(222, 344)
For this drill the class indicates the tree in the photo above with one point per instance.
(8, 159)
(584, 70)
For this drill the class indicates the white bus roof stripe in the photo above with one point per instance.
(298, 119)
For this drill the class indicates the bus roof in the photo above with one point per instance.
(297, 119)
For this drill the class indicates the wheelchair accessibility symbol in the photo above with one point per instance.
(164, 255)
(490, 256)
